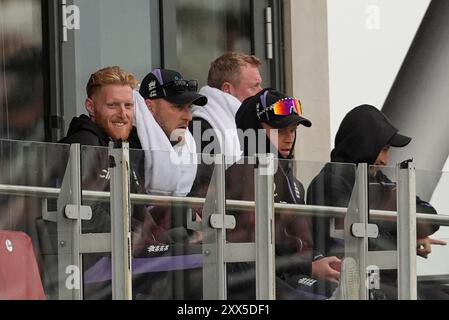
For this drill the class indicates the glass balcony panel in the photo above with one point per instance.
(31, 174)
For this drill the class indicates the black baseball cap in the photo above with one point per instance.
(171, 86)
(279, 110)
(399, 140)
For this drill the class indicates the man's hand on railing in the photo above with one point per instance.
(322, 269)
(424, 246)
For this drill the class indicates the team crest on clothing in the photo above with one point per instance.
(152, 89)
(307, 281)
(297, 193)
(154, 249)
(275, 194)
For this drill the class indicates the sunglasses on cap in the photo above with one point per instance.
(179, 86)
(283, 107)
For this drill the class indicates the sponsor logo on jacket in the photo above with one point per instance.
(297, 193)
(154, 249)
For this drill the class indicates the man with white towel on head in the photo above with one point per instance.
(162, 116)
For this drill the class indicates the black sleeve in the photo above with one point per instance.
(204, 169)
(383, 197)
(294, 264)
(327, 190)
(242, 273)
(137, 162)
(330, 191)
(425, 229)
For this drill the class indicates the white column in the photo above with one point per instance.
(307, 73)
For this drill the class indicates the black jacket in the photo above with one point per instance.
(205, 169)
(361, 136)
(83, 131)
(293, 241)
(95, 166)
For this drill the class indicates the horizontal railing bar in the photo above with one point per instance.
(145, 199)
(25, 191)
(434, 278)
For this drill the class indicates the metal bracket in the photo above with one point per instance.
(373, 277)
(192, 224)
(267, 166)
(358, 230)
(50, 216)
(335, 233)
(404, 164)
(384, 260)
(73, 211)
(216, 221)
(95, 243)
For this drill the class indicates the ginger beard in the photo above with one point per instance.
(112, 109)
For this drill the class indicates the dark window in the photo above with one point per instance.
(206, 29)
(21, 85)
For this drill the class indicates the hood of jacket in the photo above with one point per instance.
(361, 136)
(83, 124)
(83, 130)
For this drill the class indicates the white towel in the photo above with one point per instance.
(220, 112)
(169, 170)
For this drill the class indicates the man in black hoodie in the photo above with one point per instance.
(364, 136)
(274, 118)
(110, 105)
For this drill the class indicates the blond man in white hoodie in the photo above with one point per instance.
(232, 78)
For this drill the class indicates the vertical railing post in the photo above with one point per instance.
(265, 252)
(69, 230)
(362, 182)
(406, 229)
(220, 187)
(214, 229)
(120, 221)
(356, 243)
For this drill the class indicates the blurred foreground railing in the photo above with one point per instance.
(142, 199)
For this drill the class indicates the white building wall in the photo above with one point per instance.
(368, 40)
(365, 43)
